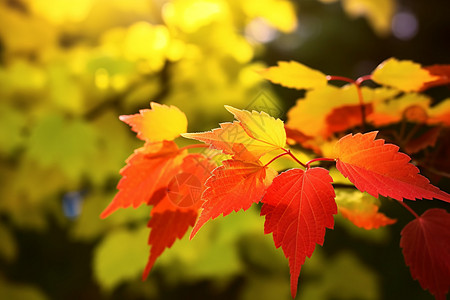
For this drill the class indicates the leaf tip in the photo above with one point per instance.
(231, 109)
(108, 211)
(194, 232)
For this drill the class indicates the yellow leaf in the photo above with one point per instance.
(378, 13)
(253, 136)
(157, 124)
(295, 75)
(393, 110)
(404, 75)
(261, 126)
(147, 44)
(309, 114)
(278, 13)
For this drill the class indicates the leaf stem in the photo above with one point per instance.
(409, 209)
(295, 158)
(340, 78)
(276, 157)
(318, 159)
(362, 79)
(357, 84)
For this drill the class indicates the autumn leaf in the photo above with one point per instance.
(378, 168)
(378, 13)
(345, 117)
(165, 228)
(295, 75)
(253, 135)
(309, 115)
(185, 188)
(231, 139)
(233, 186)
(441, 73)
(159, 123)
(404, 75)
(177, 209)
(361, 209)
(425, 140)
(298, 207)
(425, 242)
(440, 114)
(148, 170)
(261, 126)
(407, 106)
(295, 136)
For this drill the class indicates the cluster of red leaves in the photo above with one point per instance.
(189, 189)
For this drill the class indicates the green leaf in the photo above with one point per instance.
(65, 91)
(344, 277)
(70, 145)
(120, 256)
(12, 291)
(263, 288)
(114, 145)
(213, 254)
(88, 226)
(14, 121)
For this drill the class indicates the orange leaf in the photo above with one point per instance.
(361, 209)
(310, 113)
(165, 228)
(426, 247)
(159, 123)
(411, 106)
(148, 169)
(371, 219)
(378, 168)
(299, 206)
(440, 114)
(232, 139)
(295, 75)
(295, 136)
(233, 186)
(177, 209)
(253, 135)
(427, 139)
(404, 75)
(185, 188)
(345, 117)
(442, 74)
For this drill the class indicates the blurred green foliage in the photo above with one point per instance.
(68, 69)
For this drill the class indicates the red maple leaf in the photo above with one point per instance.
(345, 117)
(185, 188)
(165, 228)
(148, 170)
(177, 209)
(379, 169)
(427, 139)
(443, 76)
(426, 247)
(298, 207)
(233, 186)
